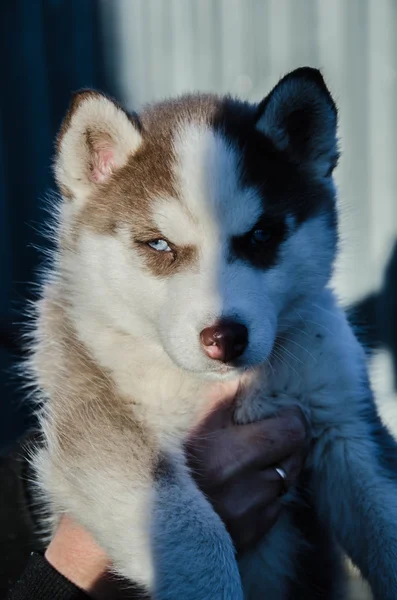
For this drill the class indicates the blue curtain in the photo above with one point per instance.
(48, 49)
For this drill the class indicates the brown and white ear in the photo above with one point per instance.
(299, 116)
(96, 139)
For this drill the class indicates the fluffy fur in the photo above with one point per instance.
(117, 359)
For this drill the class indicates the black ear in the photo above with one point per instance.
(299, 116)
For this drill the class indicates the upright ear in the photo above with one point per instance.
(96, 138)
(300, 117)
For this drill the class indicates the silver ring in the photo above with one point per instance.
(283, 476)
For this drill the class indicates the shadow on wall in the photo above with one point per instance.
(49, 49)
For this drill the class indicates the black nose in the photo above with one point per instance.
(224, 341)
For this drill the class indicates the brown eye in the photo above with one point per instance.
(261, 236)
(159, 245)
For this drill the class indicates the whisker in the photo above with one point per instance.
(299, 346)
(299, 330)
(282, 360)
(326, 310)
(284, 349)
(313, 322)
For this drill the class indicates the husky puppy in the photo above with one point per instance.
(195, 248)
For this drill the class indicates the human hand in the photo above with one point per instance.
(234, 465)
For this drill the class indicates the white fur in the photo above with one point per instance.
(208, 173)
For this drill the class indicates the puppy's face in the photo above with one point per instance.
(199, 226)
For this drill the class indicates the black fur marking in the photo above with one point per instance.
(305, 74)
(260, 255)
(300, 116)
(285, 188)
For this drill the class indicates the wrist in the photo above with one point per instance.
(74, 553)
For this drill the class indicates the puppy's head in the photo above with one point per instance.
(197, 225)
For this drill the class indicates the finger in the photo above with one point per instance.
(247, 533)
(241, 496)
(264, 443)
(292, 467)
(267, 517)
(284, 433)
(219, 450)
(250, 447)
(285, 474)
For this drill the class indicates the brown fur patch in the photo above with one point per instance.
(126, 197)
(87, 413)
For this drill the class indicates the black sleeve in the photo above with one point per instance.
(40, 581)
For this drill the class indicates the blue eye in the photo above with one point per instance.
(159, 245)
(261, 236)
